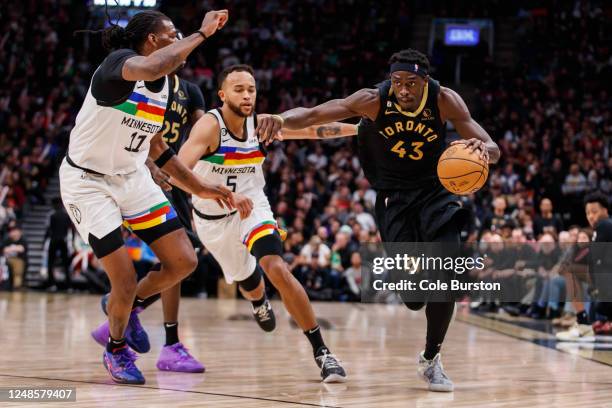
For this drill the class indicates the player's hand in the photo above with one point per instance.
(221, 194)
(269, 128)
(213, 21)
(160, 177)
(244, 205)
(474, 145)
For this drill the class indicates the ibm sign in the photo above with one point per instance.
(461, 35)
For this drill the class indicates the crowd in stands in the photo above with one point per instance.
(550, 115)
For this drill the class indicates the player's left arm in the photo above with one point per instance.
(331, 130)
(453, 108)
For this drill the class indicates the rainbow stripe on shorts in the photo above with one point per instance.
(236, 156)
(259, 231)
(143, 107)
(152, 217)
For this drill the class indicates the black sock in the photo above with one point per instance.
(439, 315)
(113, 345)
(171, 333)
(316, 341)
(582, 318)
(257, 303)
(144, 303)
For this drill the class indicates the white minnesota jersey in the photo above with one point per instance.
(115, 139)
(236, 164)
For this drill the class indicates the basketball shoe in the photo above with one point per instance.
(120, 365)
(331, 370)
(264, 315)
(432, 372)
(578, 332)
(176, 358)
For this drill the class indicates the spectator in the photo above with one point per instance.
(353, 277)
(15, 251)
(57, 232)
(366, 220)
(494, 221)
(575, 182)
(546, 221)
(316, 251)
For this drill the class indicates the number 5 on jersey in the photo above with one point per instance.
(231, 182)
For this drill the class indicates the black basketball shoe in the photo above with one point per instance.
(331, 370)
(264, 316)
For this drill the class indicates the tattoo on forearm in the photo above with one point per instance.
(327, 131)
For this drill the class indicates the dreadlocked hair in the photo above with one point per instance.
(410, 56)
(134, 34)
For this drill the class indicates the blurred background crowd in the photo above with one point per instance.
(549, 112)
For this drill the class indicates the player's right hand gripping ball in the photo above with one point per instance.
(461, 171)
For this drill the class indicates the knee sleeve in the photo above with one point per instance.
(252, 282)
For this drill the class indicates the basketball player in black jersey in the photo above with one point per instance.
(185, 107)
(401, 137)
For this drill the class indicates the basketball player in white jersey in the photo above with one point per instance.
(104, 180)
(223, 148)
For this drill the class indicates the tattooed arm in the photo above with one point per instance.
(326, 131)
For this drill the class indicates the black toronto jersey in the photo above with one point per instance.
(400, 149)
(185, 98)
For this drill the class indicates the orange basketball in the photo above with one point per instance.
(461, 171)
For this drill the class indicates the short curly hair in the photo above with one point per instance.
(410, 56)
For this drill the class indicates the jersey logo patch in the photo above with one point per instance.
(427, 115)
(75, 212)
(181, 94)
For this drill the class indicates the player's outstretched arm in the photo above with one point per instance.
(168, 59)
(185, 179)
(331, 130)
(453, 108)
(362, 103)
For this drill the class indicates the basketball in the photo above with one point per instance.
(461, 171)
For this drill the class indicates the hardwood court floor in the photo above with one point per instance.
(45, 341)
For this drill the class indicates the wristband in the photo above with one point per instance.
(164, 157)
(202, 34)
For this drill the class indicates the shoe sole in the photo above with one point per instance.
(584, 339)
(436, 387)
(267, 330)
(441, 388)
(335, 378)
(167, 368)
